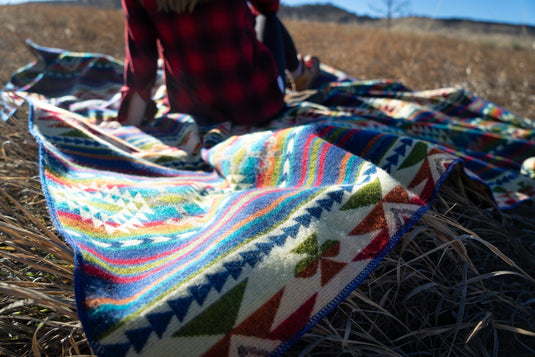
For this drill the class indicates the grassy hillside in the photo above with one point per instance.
(423, 299)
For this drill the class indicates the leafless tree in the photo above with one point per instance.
(390, 8)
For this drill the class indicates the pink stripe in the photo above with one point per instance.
(305, 156)
(321, 168)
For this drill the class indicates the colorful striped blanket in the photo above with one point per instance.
(230, 240)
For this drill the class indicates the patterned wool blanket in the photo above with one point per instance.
(228, 240)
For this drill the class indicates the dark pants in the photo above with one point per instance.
(272, 33)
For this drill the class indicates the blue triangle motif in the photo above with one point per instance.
(200, 292)
(365, 178)
(393, 159)
(370, 171)
(279, 240)
(160, 321)
(119, 350)
(347, 188)
(252, 257)
(326, 203)
(292, 231)
(235, 268)
(315, 212)
(138, 338)
(407, 141)
(265, 247)
(218, 280)
(283, 178)
(506, 178)
(401, 150)
(337, 196)
(115, 244)
(304, 220)
(181, 306)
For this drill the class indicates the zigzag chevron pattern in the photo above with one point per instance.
(243, 239)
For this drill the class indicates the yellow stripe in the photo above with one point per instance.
(313, 162)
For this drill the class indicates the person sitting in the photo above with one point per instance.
(215, 68)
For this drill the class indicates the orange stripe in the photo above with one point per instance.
(343, 166)
(370, 145)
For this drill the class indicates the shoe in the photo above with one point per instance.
(311, 70)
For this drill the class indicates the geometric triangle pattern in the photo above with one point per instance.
(217, 319)
(160, 321)
(239, 243)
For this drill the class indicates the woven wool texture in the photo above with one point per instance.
(229, 240)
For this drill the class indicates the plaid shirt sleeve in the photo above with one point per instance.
(141, 59)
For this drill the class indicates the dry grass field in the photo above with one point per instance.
(460, 283)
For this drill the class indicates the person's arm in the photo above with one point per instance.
(266, 6)
(141, 63)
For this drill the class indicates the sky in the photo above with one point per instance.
(520, 12)
(509, 11)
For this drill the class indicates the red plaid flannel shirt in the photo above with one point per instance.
(215, 69)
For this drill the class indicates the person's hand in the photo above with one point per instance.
(111, 124)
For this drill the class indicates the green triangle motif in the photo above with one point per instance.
(417, 155)
(308, 247)
(370, 194)
(219, 318)
(313, 252)
(327, 245)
